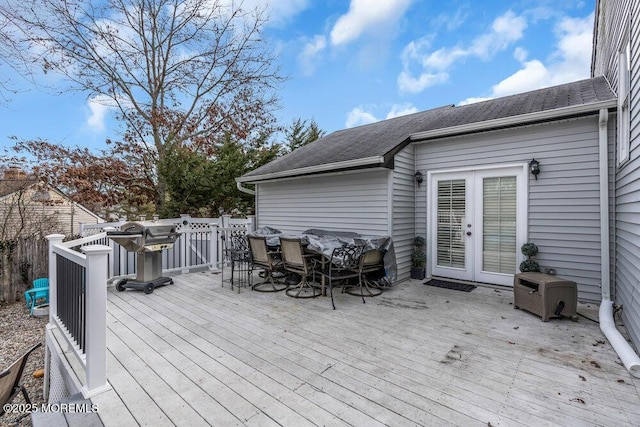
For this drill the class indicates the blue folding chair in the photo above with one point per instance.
(40, 291)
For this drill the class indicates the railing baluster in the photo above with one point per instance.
(71, 305)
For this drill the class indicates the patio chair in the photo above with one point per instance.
(371, 262)
(296, 261)
(39, 292)
(270, 262)
(225, 238)
(10, 384)
(241, 265)
(343, 267)
(234, 251)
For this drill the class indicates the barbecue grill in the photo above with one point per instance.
(147, 239)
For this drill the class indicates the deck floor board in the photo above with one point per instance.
(196, 353)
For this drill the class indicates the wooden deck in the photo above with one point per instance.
(194, 353)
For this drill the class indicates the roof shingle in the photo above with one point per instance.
(381, 138)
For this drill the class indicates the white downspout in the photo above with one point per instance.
(243, 189)
(625, 352)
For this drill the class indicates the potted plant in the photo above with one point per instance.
(529, 250)
(418, 258)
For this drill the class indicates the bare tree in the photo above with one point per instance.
(178, 72)
(7, 50)
(22, 215)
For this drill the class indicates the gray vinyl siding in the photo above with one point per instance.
(627, 243)
(403, 209)
(563, 211)
(356, 201)
(614, 18)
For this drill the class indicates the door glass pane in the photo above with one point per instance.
(499, 225)
(451, 217)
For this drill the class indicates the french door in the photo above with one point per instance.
(477, 223)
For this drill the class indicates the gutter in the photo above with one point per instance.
(243, 189)
(625, 352)
(514, 120)
(367, 161)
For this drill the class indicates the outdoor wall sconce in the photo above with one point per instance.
(419, 178)
(534, 167)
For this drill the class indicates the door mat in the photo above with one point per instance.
(464, 287)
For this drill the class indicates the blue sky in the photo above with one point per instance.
(354, 62)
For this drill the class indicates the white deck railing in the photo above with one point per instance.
(78, 312)
(79, 271)
(199, 246)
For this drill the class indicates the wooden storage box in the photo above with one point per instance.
(541, 294)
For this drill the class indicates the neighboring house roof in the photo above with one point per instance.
(375, 144)
(10, 186)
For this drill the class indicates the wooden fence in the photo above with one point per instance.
(28, 260)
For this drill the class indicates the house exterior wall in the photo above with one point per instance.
(403, 209)
(55, 215)
(70, 215)
(378, 202)
(354, 201)
(613, 21)
(615, 18)
(563, 205)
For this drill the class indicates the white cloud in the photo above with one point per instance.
(533, 75)
(398, 110)
(408, 83)
(278, 12)
(379, 20)
(442, 59)
(505, 30)
(309, 55)
(358, 117)
(100, 106)
(473, 100)
(520, 54)
(433, 66)
(574, 49)
(451, 21)
(367, 16)
(569, 62)
(413, 51)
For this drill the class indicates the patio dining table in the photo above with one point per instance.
(323, 242)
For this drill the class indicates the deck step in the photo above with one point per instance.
(74, 411)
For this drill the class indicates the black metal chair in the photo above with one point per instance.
(241, 264)
(269, 261)
(371, 263)
(297, 262)
(231, 245)
(341, 269)
(10, 380)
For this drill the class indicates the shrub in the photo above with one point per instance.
(529, 265)
(529, 249)
(419, 259)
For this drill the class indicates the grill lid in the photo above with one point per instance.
(145, 236)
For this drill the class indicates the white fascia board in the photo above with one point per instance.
(514, 120)
(367, 161)
(325, 174)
